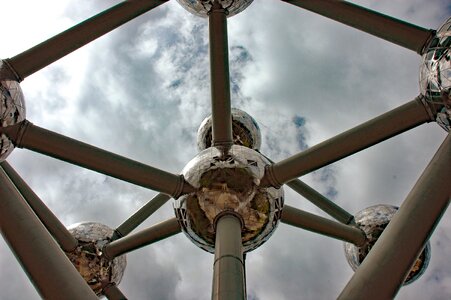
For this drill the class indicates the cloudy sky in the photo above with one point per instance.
(142, 91)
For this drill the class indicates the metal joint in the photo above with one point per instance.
(270, 177)
(16, 132)
(228, 213)
(228, 255)
(428, 106)
(8, 72)
(426, 43)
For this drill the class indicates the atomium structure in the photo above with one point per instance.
(229, 199)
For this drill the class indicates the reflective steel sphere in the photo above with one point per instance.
(228, 183)
(372, 221)
(435, 73)
(87, 257)
(12, 111)
(201, 8)
(245, 131)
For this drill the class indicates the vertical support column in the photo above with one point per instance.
(385, 268)
(220, 78)
(46, 265)
(228, 268)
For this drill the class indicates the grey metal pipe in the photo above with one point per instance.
(29, 136)
(376, 130)
(228, 267)
(388, 263)
(140, 216)
(142, 238)
(49, 51)
(305, 220)
(112, 292)
(321, 201)
(62, 236)
(220, 78)
(388, 28)
(48, 268)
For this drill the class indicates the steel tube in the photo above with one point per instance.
(112, 292)
(376, 130)
(48, 268)
(49, 51)
(62, 236)
(302, 219)
(220, 78)
(228, 267)
(388, 263)
(321, 202)
(140, 216)
(142, 238)
(388, 28)
(29, 136)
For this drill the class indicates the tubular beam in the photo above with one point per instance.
(48, 268)
(112, 292)
(62, 236)
(220, 81)
(228, 274)
(388, 28)
(314, 223)
(321, 202)
(388, 263)
(142, 238)
(29, 136)
(376, 130)
(49, 51)
(140, 216)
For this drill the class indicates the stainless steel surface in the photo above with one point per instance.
(87, 257)
(12, 111)
(373, 221)
(228, 183)
(435, 73)
(245, 130)
(202, 8)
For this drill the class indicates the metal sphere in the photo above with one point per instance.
(12, 111)
(435, 73)
(201, 8)
(228, 184)
(244, 128)
(87, 257)
(372, 221)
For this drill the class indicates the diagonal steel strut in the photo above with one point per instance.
(388, 263)
(376, 130)
(388, 28)
(49, 51)
(29, 136)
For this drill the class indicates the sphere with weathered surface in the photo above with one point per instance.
(372, 221)
(87, 257)
(244, 128)
(435, 73)
(228, 183)
(201, 8)
(12, 111)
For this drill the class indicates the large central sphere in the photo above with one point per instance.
(202, 8)
(228, 183)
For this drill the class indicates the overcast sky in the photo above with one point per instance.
(143, 90)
